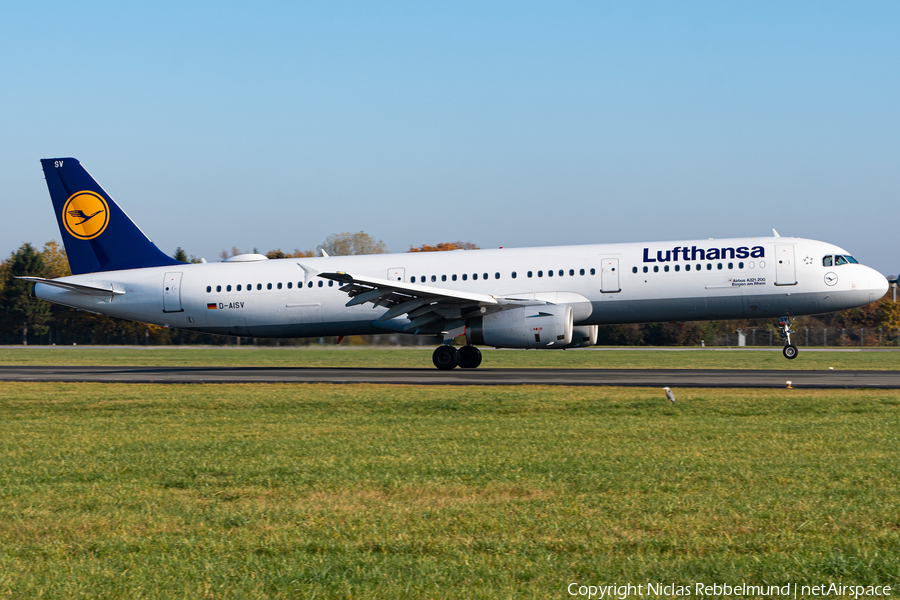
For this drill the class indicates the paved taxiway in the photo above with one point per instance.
(425, 376)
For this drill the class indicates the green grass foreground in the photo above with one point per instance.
(364, 491)
(368, 357)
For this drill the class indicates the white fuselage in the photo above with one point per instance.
(606, 283)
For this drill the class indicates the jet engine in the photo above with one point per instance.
(584, 336)
(548, 326)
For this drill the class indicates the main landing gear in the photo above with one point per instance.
(790, 350)
(448, 357)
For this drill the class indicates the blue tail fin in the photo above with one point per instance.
(98, 235)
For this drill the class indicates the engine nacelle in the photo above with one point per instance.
(584, 336)
(548, 326)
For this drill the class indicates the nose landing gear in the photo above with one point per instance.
(790, 351)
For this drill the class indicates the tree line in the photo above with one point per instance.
(27, 320)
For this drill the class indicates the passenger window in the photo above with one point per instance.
(218, 288)
(227, 288)
(259, 286)
(677, 268)
(540, 273)
(550, 273)
(208, 289)
(443, 278)
(730, 265)
(666, 268)
(762, 264)
(269, 286)
(412, 279)
(740, 265)
(839, 260)
(465, 276)
(290, 285)
(239, 287)
(709, 266)
(496, 275)
(279, 285)
(592, 271)
(645, 269)
(485, 276)
(581, 271)
(687, 267)
(474, 275)
(656, 268)
(249, 286)
(561, 272)
(321, 283)
(433, 278)
(826, 262)
(331, 283)
(309, 284)
(513, 274)
(529, 273)
(454, 277)
(634, 269)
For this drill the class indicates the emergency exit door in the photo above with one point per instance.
(609, 275)
(172, 293)
(396, 274)
(785, 271)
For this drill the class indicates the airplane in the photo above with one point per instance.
(543, 298)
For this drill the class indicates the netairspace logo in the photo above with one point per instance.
(720, 590)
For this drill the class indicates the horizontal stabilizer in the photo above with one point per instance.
(90, 290)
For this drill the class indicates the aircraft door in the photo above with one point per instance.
(397, 274)
(609, 275)
(172, 293)
(785, 271)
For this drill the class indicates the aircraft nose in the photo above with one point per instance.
(877, 283)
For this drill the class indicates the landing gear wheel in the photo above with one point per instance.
(445, 358)
(785, 326)
(469, 357)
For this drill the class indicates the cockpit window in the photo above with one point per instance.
(826, 262)
(851, 259)
(839, 260)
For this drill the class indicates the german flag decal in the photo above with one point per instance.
(211, 306)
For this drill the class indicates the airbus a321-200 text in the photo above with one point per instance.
(544, 298)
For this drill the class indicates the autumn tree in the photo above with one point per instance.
(345, 244)
(444, 247)
(277, 253)
(234, 252)
(18, 310)
(55, 260)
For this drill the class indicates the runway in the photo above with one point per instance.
(699, 378)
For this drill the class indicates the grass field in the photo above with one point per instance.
(318, 491)
(355, 356)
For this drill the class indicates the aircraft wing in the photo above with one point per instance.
(429, 309)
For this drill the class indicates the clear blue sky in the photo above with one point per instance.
(506, 124)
